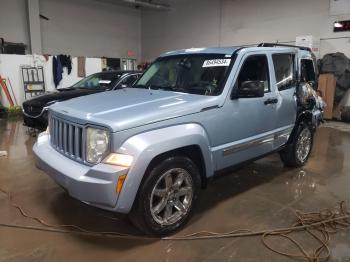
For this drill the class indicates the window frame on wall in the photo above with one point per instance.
(292, 82)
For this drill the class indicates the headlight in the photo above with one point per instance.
(97, 141)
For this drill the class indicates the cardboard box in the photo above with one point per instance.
(326, 85)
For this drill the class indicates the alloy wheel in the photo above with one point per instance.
(303, 145)
(171, 197)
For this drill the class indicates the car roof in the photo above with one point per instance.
(202, 50)
(231, 50)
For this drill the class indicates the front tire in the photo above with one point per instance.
(166, 198)
(298, 151)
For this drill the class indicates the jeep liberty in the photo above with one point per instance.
(146, 151)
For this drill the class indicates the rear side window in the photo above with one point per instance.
(307, 71)
(255, 68)
(284, 70)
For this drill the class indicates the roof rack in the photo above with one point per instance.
(284, 45)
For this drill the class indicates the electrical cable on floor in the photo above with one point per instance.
(319, 225)
(54, 228)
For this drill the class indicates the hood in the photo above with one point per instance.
(132, 107)
(62, 95)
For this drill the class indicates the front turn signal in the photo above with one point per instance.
(119, 160)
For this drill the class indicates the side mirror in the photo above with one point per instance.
(249, 89)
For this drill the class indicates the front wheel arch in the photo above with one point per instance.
(193, 152)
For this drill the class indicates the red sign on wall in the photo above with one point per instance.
(131, 53)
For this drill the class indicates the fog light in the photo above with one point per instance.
(119, 160)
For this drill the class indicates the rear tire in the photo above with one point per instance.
(166, 198)
(298, 151)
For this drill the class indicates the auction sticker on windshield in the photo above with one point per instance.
(216, 62)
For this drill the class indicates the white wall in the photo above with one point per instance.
(10, 67)
(239, 22)
(76, 27)
(90, 28)
(193, 23)
(13, 21)
(94, 29)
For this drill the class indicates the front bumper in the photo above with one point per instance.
(94, 185)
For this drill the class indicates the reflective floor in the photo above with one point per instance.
(258, 196)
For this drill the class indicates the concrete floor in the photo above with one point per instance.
(258, 196)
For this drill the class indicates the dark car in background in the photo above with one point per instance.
(35, 109)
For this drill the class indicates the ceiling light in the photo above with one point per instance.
(338, 25)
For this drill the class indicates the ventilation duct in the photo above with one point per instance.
(152, 5)
(139, 3)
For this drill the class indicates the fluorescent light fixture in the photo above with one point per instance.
(148, 4)
(338, 25)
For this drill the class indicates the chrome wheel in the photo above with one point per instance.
(171, 197)
(303, 145)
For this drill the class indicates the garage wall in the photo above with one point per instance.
(192, 23)
(10, 68)
(77, 27)
(90, 28)
(13, 21)
(239, 22)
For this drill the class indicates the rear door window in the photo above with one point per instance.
(307, 71)
(284, 70)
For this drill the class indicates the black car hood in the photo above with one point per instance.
(62, 95)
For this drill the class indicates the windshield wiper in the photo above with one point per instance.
(140, 86)
(164, 88)
(154, 87)
(180, 89)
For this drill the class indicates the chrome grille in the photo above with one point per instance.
(67, 138)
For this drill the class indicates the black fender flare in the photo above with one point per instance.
(303, 116)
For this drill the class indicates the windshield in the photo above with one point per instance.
(202, 74)
(100, 80)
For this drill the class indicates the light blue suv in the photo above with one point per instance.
(147, 150)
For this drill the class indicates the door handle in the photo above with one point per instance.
(271, 101)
